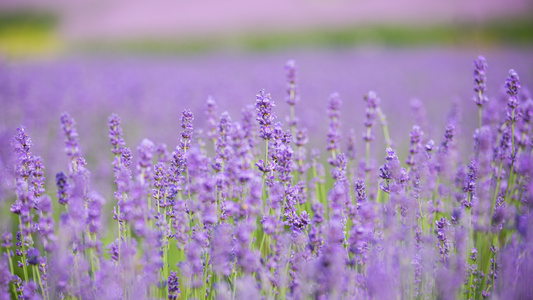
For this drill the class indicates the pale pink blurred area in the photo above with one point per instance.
(108, 20)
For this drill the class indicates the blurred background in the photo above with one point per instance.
(52, 27)
(149, 60)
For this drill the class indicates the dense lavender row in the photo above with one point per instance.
(36, 93)
(245, 208)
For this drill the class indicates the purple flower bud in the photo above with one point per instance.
(414, 148)
(334, 105)
(291, 70)
(62, 188)
(7, 239)
(512, 83)
(115, 134)
(372, 102)
(473, 254)
(33, 256)
(265, 115)
(173, 286)
(187, 129)
(72, 146)
(480, 81)
(210, 112)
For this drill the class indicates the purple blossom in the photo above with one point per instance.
(265, 115)
(372, 102)
(512, 84)
(115, 134)
(480, 81)
(292, 96)
(173, 286)
(414, 148)
(62, 188)
(72, 146)
(210, 112)
(334, 105)
(33, 255)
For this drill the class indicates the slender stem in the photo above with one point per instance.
(479, 111)
(367, 167)
(11, 269)
(36, 270)
(434, 196)
(23, 241)
(497, 190)
(385, 126)
(513, 157)
(264, 192)
(293, 125)
(234, 284)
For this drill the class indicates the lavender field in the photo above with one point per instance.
(346, 174)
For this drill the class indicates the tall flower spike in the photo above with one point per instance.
(480, 81)
(186, 134)
(265, 115)
(69, 128)
(372, 102)
(416, 139)
(210, 112)
(115, 134)
(22, 144)
(334, 105)
(62, 188)
(144, 165)
(292, 87)
(512, 84)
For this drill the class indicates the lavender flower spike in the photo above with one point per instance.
(334, 106)
(265, 116)
(115, 134)
(480, 80)
(512, 84)
(186, 134)
(292, 87)
(72, 145)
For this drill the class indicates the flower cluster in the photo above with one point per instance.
(410, 219)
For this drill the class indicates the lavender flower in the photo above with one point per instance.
(444, 244)
(512, 85)
(72, 146)
(480, 80)
(416, 139)
(146, 152)
(186, 125)
(62, 188)
(334, 105)
(210, 112)
(115, 134)
(291, 234)
(22, 144)
(173, 286)
(372, 102)
(265, 115)
(291, 70)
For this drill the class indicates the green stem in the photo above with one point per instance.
(479, 118)
(23, 250)
(262, 242)
(513, 157)
(11, 269)
(497, 190)
(367, 159)
(434, 196)
(385, 126)
(37, 273)
(293, 127)
(234, 284)
(264, 175)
